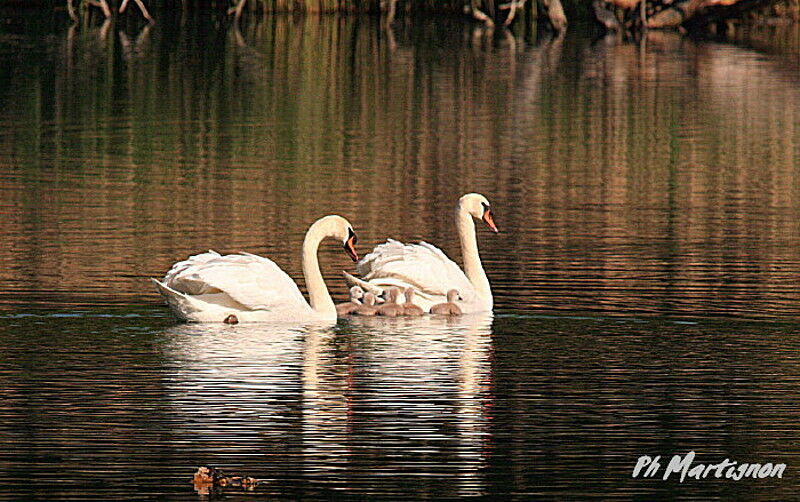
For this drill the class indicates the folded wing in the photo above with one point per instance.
(423, 266)
(253, 281)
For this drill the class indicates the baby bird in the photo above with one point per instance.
(449, 308)
(368, 308)
(391, 308)
(356, 294)
(408, 307)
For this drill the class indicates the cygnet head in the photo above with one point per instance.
(453, 296)
(356, 293)
(409, 294)
(392, 294)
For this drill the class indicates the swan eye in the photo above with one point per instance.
(352, 235)
(486, 207)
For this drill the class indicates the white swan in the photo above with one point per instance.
(209, 287)
(428, 270)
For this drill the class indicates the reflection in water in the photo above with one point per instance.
(388, 392)
(657, 180)
(629, 181)
(230, 385)
(409, 389)
(118, 407)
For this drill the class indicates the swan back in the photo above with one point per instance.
(422, 266)
(254, 282)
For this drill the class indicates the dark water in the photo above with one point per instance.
(645, 281)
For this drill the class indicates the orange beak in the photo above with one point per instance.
(488, 218)
(350, 246)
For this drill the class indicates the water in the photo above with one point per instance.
(645, 279)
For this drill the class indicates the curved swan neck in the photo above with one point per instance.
(469, 252)
(319, 298)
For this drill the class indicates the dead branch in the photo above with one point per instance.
(477, 14)
(71, 11)
(512, 7)
(555, 14)
(102, 4)
(141, 6)
(237, 10)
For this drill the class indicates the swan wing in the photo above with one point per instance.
(422, 266)
(255, 282)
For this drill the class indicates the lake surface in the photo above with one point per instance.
(645, 277)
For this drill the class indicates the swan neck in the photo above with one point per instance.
(469, 251)
(319, 298)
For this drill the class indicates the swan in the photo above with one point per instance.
(356, 294)
(368, 308)
(428, 270)
(209, 287)
(391, 308)
(409, 308)
(449, 308)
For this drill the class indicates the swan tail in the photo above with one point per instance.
(180, 303)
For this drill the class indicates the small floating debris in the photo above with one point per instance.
(208, 478)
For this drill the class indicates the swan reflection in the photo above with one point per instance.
(408, 393)
(235, 387)
(367, 398)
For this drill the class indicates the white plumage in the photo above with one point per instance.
(427, 270)
(422, 266)
(208, 287)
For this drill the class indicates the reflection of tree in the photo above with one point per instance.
(133, 151)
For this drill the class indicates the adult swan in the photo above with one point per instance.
(209, 287)
(428, 270)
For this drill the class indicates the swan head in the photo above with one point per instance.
(338, 228)
(477, 206)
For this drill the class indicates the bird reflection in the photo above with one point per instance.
(405, 389)
(238, 384)
(372, 392)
